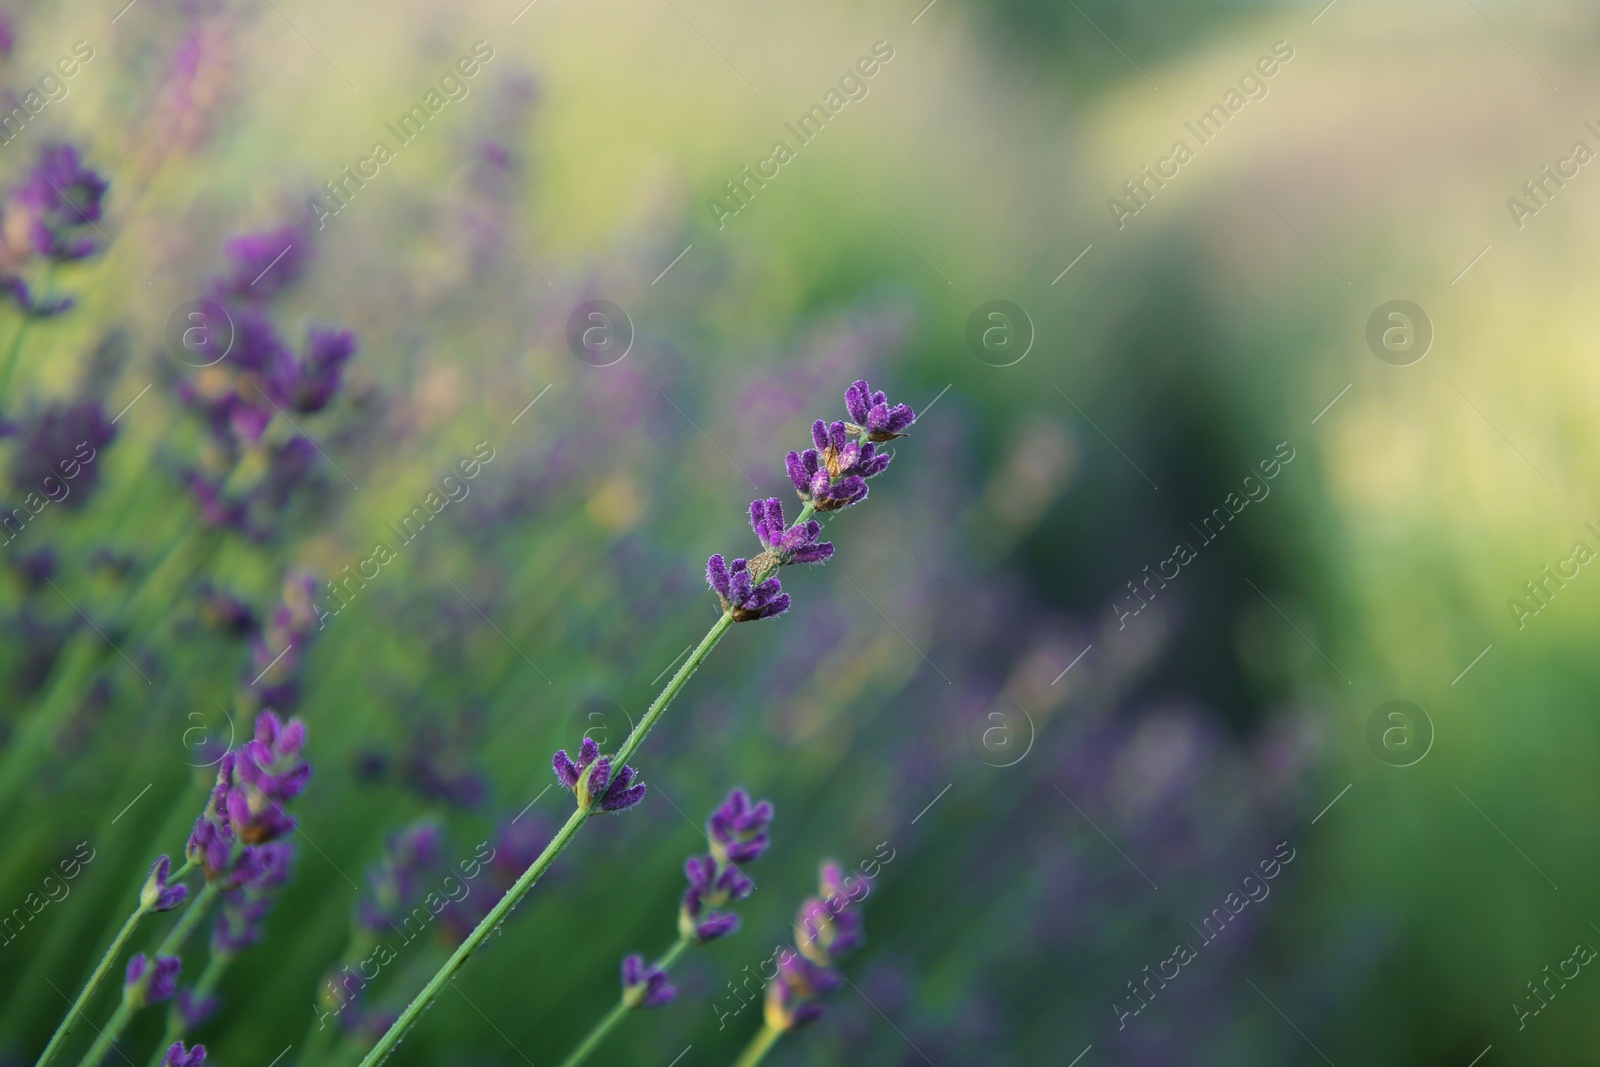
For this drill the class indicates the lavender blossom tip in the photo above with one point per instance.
(176, 1056)
(644, 985)
(872, 415)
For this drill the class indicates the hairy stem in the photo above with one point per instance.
(759, 1046)
(435, 985)
(169, 946)
(620, 1009)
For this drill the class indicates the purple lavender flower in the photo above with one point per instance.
(176, 1056)
(742, 597)
(644, 985)
(196, 1010)
(246, 807)
(615, 793)
(61, 195)
(262, 265)
(809, 473)
(276, 652)
(797, 544)
(33, 307)
(310, 383)
(872, 414)
(826, 929)
(409, 857)
(157, 895)
(58, 446)
(736, 832)
(150, 983)
(737, 828)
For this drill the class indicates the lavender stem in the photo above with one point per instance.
(170, 946)
(759, 1046)
(435, 985)
(100, 970)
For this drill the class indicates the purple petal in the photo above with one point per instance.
(624, 800)
(717, 574)
(565, 769)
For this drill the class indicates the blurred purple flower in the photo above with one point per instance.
(59, 196)
(644, 985)
(151, 983)
(175, 1056)
(157, 895)
(196, 1010)
(262, 265)
(59, 445)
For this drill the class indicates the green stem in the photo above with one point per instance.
(759, 1046)
(12, 353)
(169, 946)
(99, 973)
(497, 915)
(621, 1008)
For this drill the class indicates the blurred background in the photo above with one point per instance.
(1116, 347)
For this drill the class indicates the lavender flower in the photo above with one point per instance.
(310, 383)
(195, 1010)
(809, 473)
(157, 895)
(150, 983)
(276, 652)
(742, 597)
(58, 445)
(262, 265)
(873, 415)
(615, 793)
(644, 985)
(246, 806)
(827, 928)
(33, 307)
(737, 828)
(797, 544)
(409, 856)
(736, 832)
(176, 1056)
(244, 908)
(59, 196)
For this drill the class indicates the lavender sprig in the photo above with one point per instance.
(736, 833)
(827, 928)
(819, 490)
(163, 891)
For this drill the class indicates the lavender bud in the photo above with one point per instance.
(176, 1056)
(157, 895)
(196, 1010)
(745, 600)
(872, 414)
(600, 789)
(644, 985)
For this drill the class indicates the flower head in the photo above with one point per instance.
(309, 383)
(392, 886)
(737, 828)
(598, 787)
(743, 597)
(793, 996)
(59, 198)
(196, 1010)
(262, 265)
(175, 1056)
(826, 929)
(157, 895)
(246, 807)
(147, 982)
(57, 447)
(872, 414)
(796, 544)
(644, 985)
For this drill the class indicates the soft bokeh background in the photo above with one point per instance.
(1181, 350)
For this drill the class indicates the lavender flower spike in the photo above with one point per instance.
(599, 788)
(742, 597)
(644, 985)
(737, 829)
(872, 414)
(177, 1057)
(157, 895)
(797, 544)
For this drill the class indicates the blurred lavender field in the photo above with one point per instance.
(375, 385)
